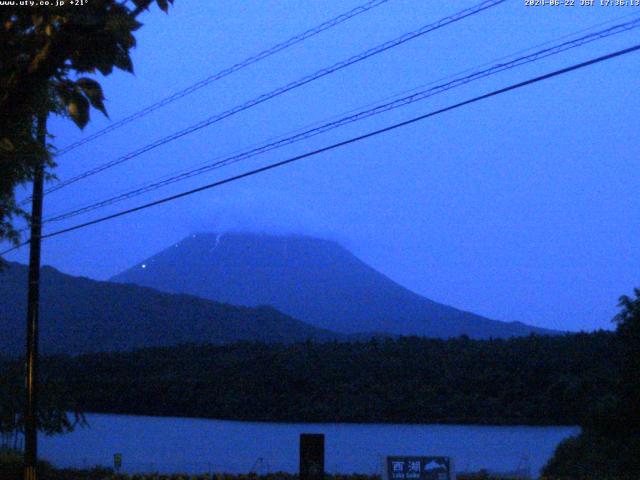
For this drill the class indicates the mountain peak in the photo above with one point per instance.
(312, 279)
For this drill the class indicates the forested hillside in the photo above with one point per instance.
(80, 315)
(528, 380)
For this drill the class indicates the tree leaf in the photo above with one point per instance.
(78, 108)
(142, 3)
(93, 91)
(164, 5)
(123, 61)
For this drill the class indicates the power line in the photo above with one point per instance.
(353, 110)
(279, 91)
(341, 144)
(400, 102)
(226, 72)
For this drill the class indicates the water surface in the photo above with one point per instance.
(198, 445)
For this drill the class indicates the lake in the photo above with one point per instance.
(192, 445)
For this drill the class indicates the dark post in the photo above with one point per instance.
(311, 456)
(31, 374)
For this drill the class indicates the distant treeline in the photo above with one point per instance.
(532, 380)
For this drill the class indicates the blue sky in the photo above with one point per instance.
(522, 207)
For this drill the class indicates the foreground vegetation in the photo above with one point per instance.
(609, 446)
(11, 469)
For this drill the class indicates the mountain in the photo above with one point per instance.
(314, 280)
(81, 315)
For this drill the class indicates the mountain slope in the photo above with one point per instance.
(314, 280)
(82, 315)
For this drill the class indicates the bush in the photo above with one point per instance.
(12, 465)
(591, 456)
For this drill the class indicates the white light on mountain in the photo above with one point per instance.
(144, 265)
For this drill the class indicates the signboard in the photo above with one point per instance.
(418, 468)
(311, 456)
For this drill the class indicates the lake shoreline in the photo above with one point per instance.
(314, 422)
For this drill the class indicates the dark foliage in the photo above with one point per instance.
(528, 380)
(609, 446)
(11, 469)
(628, 333)
(57, 411)
(44, 50)
(593, 456)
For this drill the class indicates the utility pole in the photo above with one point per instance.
(31, 373)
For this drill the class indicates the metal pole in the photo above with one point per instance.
(31, 374)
